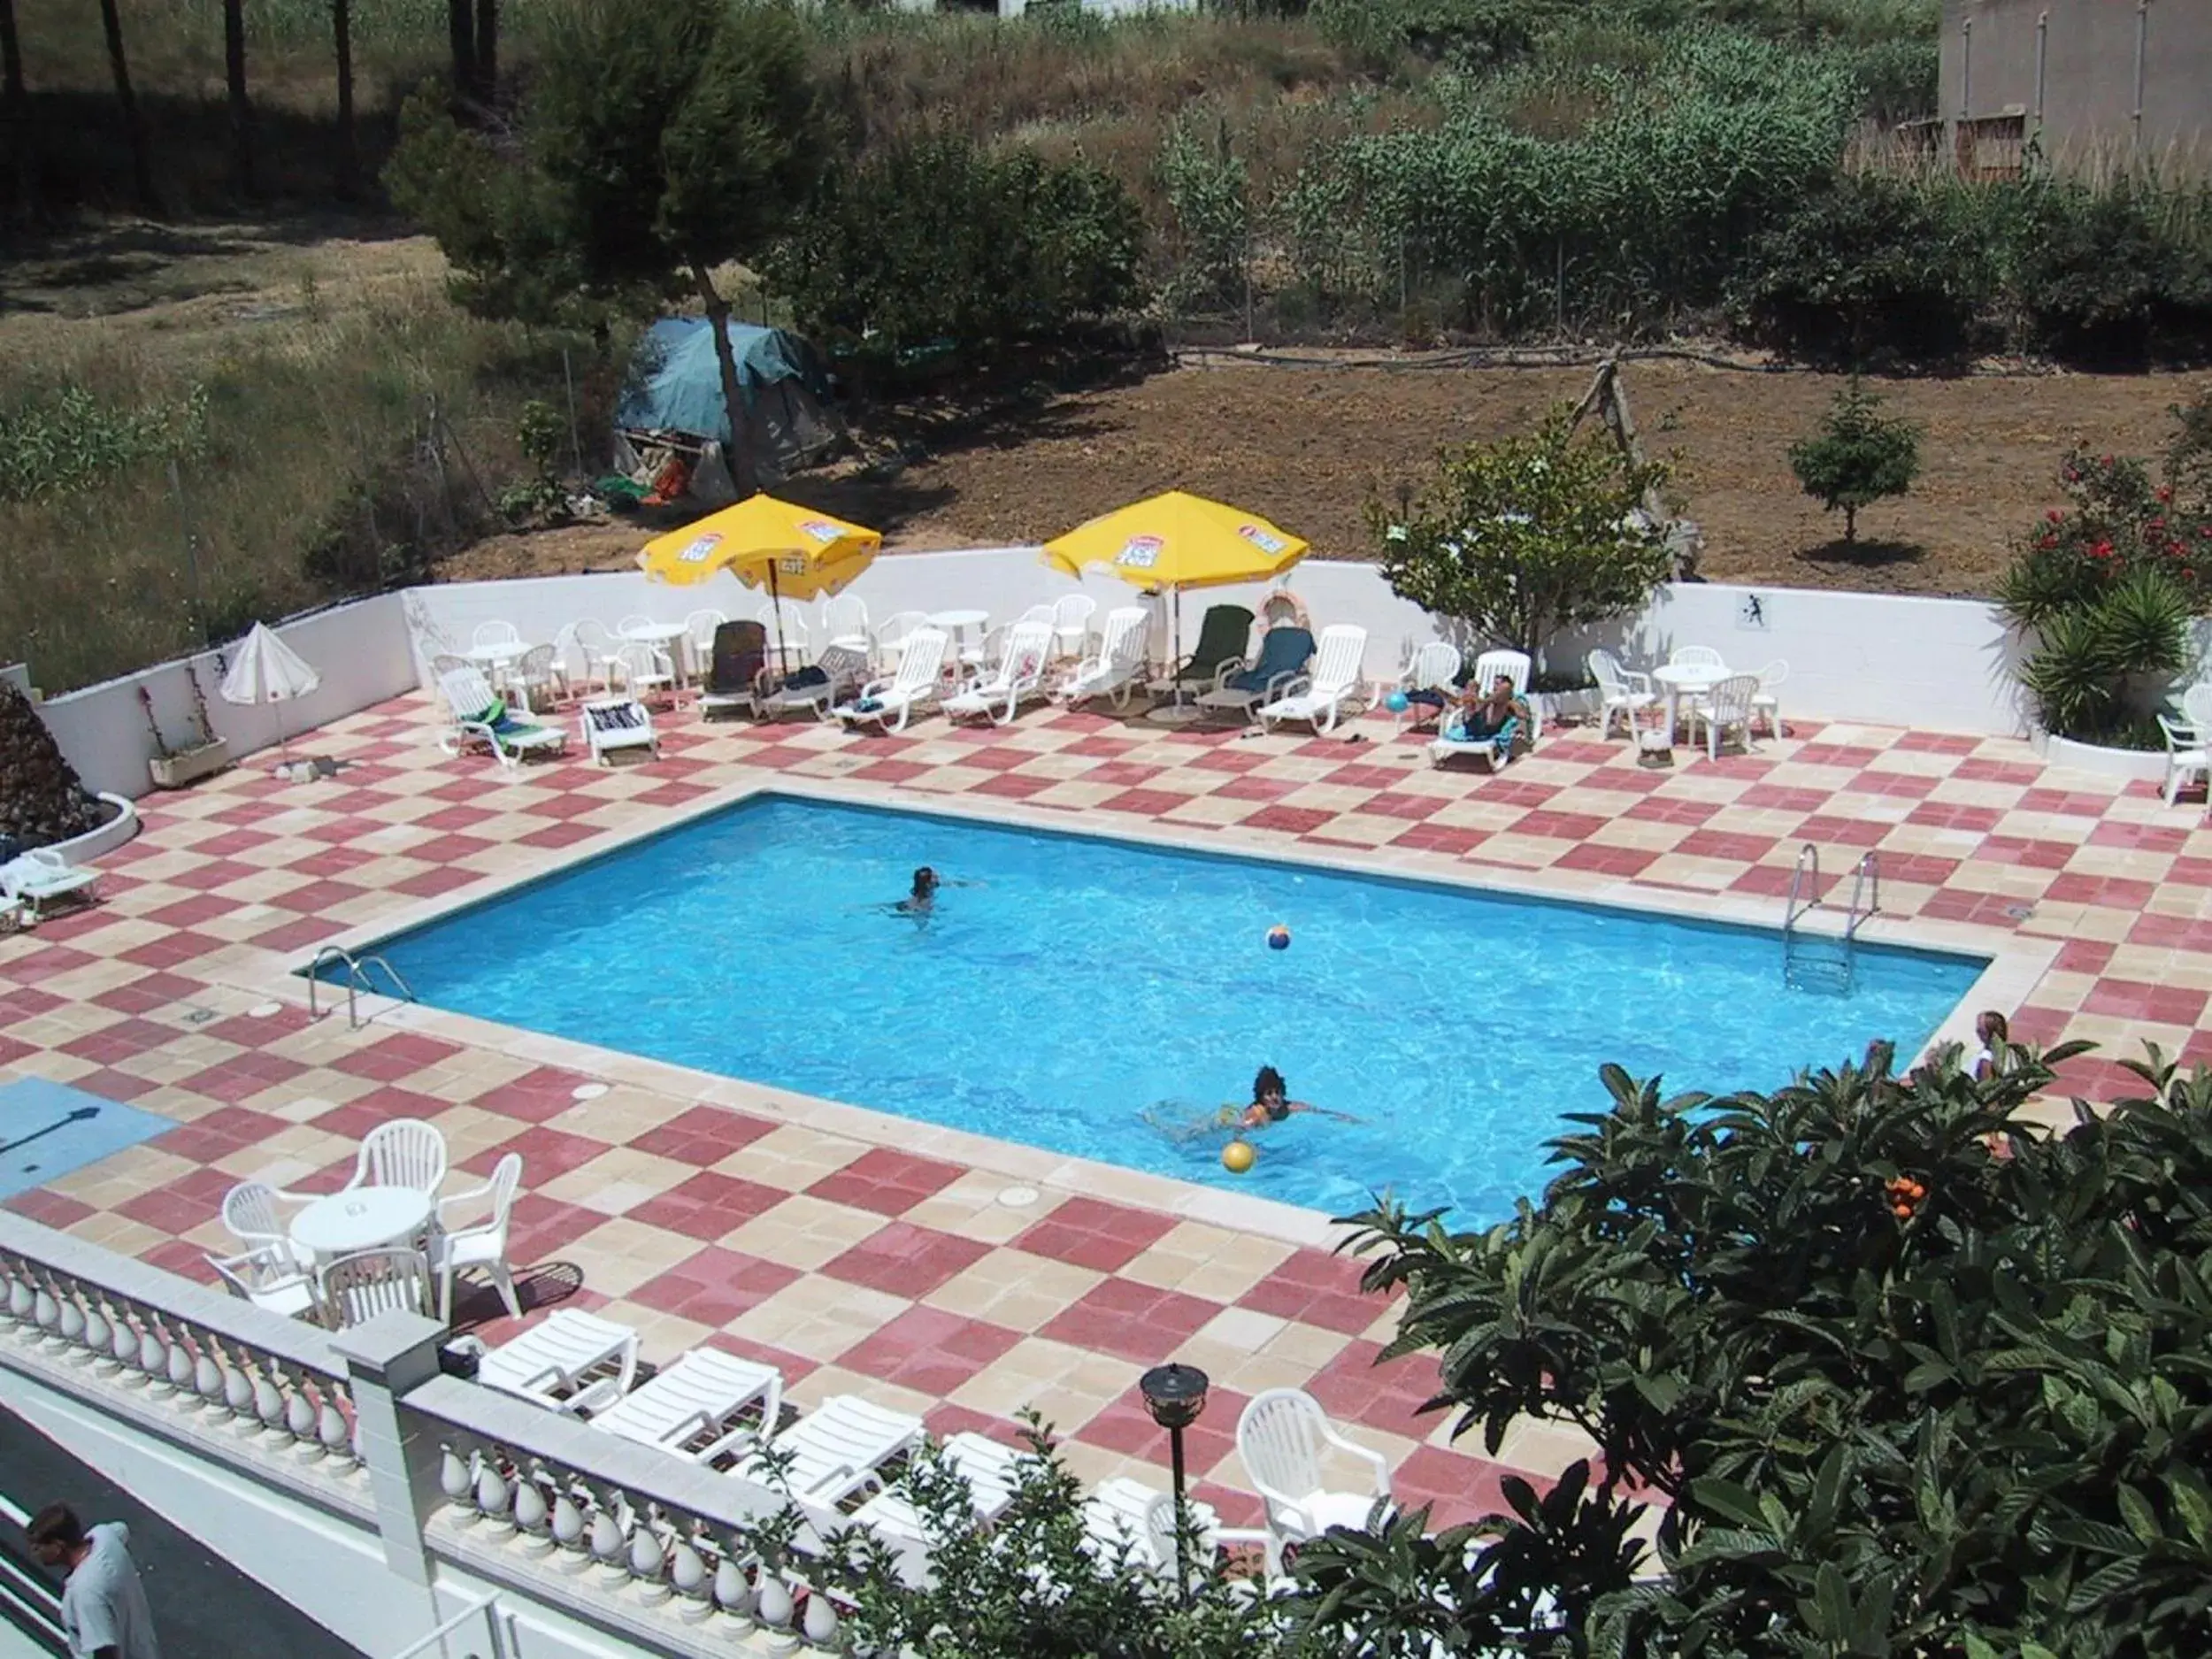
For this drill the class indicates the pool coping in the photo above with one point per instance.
(2015, 964)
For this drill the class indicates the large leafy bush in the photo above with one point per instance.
(937, 242)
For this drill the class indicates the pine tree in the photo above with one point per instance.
(1858, 456)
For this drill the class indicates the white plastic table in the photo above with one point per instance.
(361, 1218)
(957, 622)
(1679, 678)
(674, 635)
(497, 658)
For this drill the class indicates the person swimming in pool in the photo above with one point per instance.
(1271, 1103)
(922, 900)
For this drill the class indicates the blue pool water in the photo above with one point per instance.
(1088, 991)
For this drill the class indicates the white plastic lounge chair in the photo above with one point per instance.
(34, 879)
(562, 1362)
(1516, 667)
(837, 678)
(1320, 700)
(404, 1152)
(1621, 691)
(694, 1408)
(469, 699)
(2187, 756)
(1286, 652)
(890, 703)
(1726, 707)
(1434, 668)
(614, 724)
(1020, 675)
(1124, 1518)
(354, 1290)
(1282, 1437)
(839, 1449)
(267, 1280)
(482, 1245)
(1118, 668)
(1765, 704)
(992, 1472)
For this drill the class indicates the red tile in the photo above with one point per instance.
(175, 1255)
(707, 1205)
(296, 934)
(534, 1097)
(546, 1152)
(1947, 815)
(794, 1367)
(1352, 1388)
(1557, 825)
(434, 883)
(395, 1057)
(2158, 1004)
(1314, 1287)
(1137, 1321)
(886, 1181)
(1909, 786)
(539, 1228)
(928, 1350)
(902, 1259)
(1297, 820)
(1612, 861)
(1455, 1486)
(1123, 1426)
(200, 907)
(1411, 808)
(1241, 788)
(2033, 855)
(108, 1083)
(1729, 844)
(49, 1210)
(1438, 838)
(149, 991)
(2006, 771)
(192, 1200)
(2084, 956)
(556, 835)
(219, 1134)
(244, 1076)
(317, 898)
(1148, 803)
(2112, 891)
(1774, 798)
(716, 1285)
(702, 1135)
(120, 1041)
(1013, 786)
(890, 770)
(1938, 743)
(1664, 809)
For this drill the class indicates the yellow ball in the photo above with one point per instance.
(1238, 1156)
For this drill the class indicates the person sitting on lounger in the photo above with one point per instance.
(1495, 719)
(1271, 1103)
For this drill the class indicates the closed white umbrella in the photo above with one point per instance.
(264, 669)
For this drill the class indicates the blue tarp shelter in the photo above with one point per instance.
(675, 385)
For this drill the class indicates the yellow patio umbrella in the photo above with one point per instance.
(795, 552)
(1177, 541)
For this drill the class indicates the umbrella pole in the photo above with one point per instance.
(775, 599)
(1178, 644)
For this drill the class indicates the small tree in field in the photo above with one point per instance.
(657, 143)
(1524, 537)
(1857, 457)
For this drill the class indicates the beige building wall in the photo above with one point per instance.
(2075, 69)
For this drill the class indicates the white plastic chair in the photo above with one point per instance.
(888, 638)
(354, 1290)
(1434, 667)
(992, 645)
(635, 620)
(2196, 708)
(533, 677)
(992, 1470)
(1118, 668)
(1071, 623)
(845, 622)
(561, 1362)
(267, 1280)
(1695, 656)
(405, 1152)
(2187, 756)
(494, 633)
(794, 635)
(1621, 691)
(1021, 674)
(694, 1408)
(699, 628)
(644, 668)
(1282, 1437)
(1765, 704)
(1126, 1520)
(483, 1245)
(249, 1214)
(597, 643)
(896, 698)
(1726, 707)
(1319, 698)
(838, 1449)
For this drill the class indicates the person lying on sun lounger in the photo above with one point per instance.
(1495, 719)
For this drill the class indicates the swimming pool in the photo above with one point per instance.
(1090, 990)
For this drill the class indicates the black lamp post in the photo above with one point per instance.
(1175, 1396)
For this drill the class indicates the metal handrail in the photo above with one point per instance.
(455, 1623)
(357, 981)
(1806, 854)
(1869, 866)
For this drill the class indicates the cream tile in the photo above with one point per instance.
(820, 1319)
(804, 1233)
(1018, 1291)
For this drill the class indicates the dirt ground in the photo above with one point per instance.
(1309, 446)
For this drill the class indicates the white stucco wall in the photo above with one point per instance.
(360, 649)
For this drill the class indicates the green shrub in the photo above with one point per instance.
(938, 243)
(1857, 457)
(68, 440)
(1466, 34)
(1869, 272)
(2118, 276)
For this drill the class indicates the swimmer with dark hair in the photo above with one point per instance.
(922, 900)
(1271, 1103)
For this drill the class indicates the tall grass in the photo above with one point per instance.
(308, 476)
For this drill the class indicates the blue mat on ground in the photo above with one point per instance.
(48, 1129)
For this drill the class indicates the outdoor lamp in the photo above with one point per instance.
(1175, 1396)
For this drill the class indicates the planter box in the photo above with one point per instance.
(2110, 763)
(189, 765)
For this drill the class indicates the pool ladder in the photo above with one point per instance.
(357, 981)
(1825, 962)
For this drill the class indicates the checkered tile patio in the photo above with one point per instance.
(864, 1266)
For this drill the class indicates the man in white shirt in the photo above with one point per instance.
(103, 1610)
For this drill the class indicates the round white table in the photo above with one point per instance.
(497, 658)
(362, 1219)
(1679, 679)
(674, 635)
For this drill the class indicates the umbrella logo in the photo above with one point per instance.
(696, 553)
(1139, 552)
(792, 564)
(820, 529)
(1260, 539)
